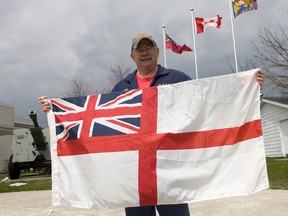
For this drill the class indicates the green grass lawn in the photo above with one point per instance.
(32, 185)
(277, 173)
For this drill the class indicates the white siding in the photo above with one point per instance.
(271, 116)
(6, 123)
(6, 115)
(284, 136)
(5, 151)
(23, 122)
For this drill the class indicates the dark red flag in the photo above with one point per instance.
(171, 44)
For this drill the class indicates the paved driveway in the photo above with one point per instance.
(38, 203)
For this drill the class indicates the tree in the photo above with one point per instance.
(249, 64)
(272, 52)
(77, 87)
(118, 72)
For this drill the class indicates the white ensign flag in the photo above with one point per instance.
(190, 141)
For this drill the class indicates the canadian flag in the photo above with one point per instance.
(203, 23)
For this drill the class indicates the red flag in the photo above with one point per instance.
(171, 44)
(203, 23)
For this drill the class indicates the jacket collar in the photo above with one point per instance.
(160, 72)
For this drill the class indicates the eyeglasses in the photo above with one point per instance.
(141, 50)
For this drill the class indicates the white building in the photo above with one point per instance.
(8, 121)
(274, 114)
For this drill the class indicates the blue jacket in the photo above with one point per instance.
(163, 76)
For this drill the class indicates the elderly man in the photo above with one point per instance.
(145, 53)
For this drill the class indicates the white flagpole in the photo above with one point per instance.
(194, 42)
(233, 35)
(164, 45)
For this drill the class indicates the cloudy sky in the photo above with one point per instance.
(43, 43)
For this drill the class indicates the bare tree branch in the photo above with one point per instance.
(118, 72)
(77, 87)
(272, 52)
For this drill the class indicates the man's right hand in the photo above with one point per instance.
(45, 106)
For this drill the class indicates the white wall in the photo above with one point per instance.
(271, 116)
(284, 136)
(6, 123)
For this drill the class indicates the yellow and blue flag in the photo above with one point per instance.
(241, 6)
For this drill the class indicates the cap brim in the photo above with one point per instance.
(136, 43)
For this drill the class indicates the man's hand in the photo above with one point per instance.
(45, 105)
(260, 77)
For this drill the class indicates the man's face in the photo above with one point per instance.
(146, 54)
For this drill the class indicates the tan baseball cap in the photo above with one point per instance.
(140, 37)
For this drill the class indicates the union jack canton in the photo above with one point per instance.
(97, 115)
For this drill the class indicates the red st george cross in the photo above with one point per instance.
(147, 142)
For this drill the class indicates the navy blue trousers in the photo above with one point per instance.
(163, 210)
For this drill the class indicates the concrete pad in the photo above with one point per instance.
(38, 203)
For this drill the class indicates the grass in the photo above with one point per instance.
(277, 173)
(36, 182)
(277, 169)
(32, 185)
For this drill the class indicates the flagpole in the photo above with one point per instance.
(194, 42)
(233, 35)
(164, 45)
